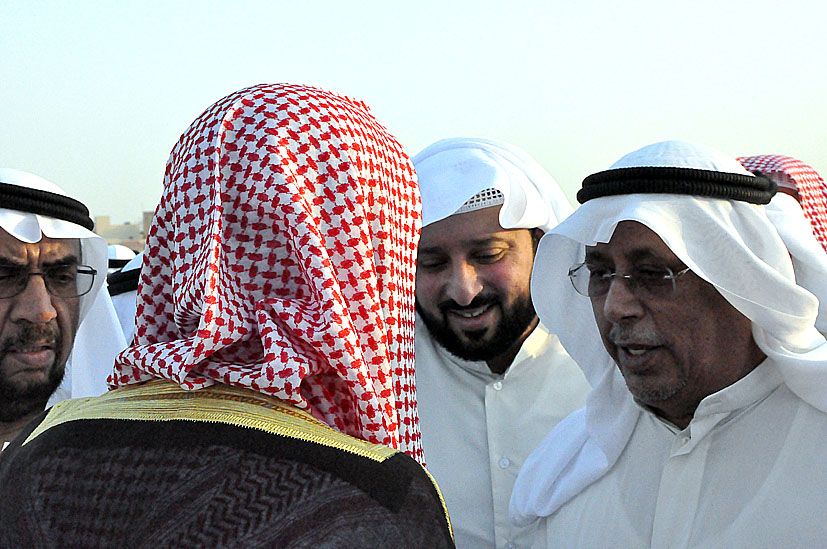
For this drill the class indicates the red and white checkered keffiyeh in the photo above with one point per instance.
(282, 259)
(811, 189)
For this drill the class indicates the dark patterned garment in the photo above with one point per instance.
(182, 483)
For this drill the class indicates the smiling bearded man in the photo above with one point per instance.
(491, 380)
(492, 324)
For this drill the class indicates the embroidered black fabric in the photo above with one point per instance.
(686, 181)
(36, 201)
(117, 483)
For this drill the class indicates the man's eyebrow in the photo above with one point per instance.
(470, 243)
(430, 250)
(490, 239)
(65, 260)
(637, 254)
(6, 262)
(595, 255)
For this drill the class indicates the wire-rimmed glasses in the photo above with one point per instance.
(645, 281)
(60, 280)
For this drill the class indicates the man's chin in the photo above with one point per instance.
(476, 348)
(477, 345)
(484, 343)
(20, 398)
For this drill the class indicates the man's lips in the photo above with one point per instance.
(635, 355)
(30, 346)
(470, 318)
(32, 356)
(470, 312)
(637, 350)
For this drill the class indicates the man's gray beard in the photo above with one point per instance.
(652, 397)
(18, 402)
(510, 329)
(648, 397)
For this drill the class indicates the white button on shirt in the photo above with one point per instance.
(478, 428)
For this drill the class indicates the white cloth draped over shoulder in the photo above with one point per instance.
(733, 245)
(453, 170)
(809, 259)
(99, 337)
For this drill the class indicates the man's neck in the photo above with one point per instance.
(500, 363)
(10, 429)
(681, 414)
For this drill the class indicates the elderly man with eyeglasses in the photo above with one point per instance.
(707, 422)
(52, 271)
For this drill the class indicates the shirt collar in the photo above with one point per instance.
(748, 390)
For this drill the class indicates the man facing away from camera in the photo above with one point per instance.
(707, 424)
(268, 397)
(491, 380)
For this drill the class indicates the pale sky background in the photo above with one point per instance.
(93, 95)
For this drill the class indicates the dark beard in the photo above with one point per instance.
(15, 401)
(515, 321)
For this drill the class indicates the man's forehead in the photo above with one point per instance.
(46, 248)
(632, 240)
(478, 225)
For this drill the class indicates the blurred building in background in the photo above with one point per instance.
(131, 235)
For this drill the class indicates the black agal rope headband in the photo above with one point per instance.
(25, 199)
(690, 181)
(121, 282)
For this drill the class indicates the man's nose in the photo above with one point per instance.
(621, 301)
(464, 284)
(34, 303)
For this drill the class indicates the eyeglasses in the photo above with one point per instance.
(648, 281)
(60, 280)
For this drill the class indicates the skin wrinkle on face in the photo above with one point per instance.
(675, 351)
(472, 286)
(37, 329)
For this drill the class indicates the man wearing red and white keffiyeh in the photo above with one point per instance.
(281, 260)
(275, 312)
(801, 181)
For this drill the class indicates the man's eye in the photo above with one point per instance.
(597, 272)
(430, 264)
(651, 274)
(62, 275)
(488, 256)
(9, 274)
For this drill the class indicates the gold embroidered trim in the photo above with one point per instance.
(442, 501)
(163, 400)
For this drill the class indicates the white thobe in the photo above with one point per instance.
(478, 428)
(748, 471)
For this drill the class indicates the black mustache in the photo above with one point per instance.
(31, 333)
(478, 301)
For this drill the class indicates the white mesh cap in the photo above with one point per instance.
(483, 199)
(462, 174)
